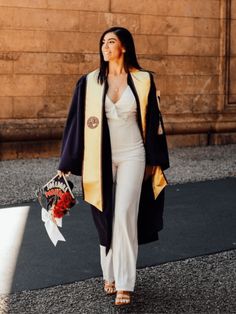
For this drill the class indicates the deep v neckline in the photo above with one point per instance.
(114, 103)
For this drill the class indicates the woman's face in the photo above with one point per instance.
(112, 48)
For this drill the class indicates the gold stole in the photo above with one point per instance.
(92, 165)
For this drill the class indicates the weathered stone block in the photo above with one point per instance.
(232, 70)
(173, 104)
(151, 44)
(6, 67)
(27, 107)
(130, 21)
(194, 8)
(192, 85)
(182, 65)
(64, 63)
(66, 68)
(39, 19)
(206, 84)
(233, 38)
(193, 46)
(99, 22)
(21, 40)
(155, 63)
(181, 45)
(187, 140)
(24, 3)
(180, 84)
(61, 85)
(95, 21)
(6, 108)
(31, 129)
(232, 84)
(72, 42)
(207, 46)
(22, 85)
(48, 63)
(10, 56)
(30, 149)
(233, 9)
(89, 63)
(55, 106)
(63, 20)
(154, 7)
(221, 102)
(180, 8)
(41, 107)
(232, 98)
(205, 103)
(30, 19)
(223, 138)
(179, 65)
(205, 65)
(206, 27)
(31, 63)
(83, 5)
(6, 17)
(210, 8)
(166, 25)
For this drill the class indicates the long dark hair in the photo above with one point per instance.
(130, 58)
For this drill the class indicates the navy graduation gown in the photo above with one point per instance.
(150, 218)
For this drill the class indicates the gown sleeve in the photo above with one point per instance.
(156, 144)
(72, 147)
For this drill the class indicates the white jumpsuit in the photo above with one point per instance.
(128, 164)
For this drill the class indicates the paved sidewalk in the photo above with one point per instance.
(199, 220)
(196, 285)
(20, 178)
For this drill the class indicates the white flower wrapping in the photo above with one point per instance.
(51, 225)
(52, 192)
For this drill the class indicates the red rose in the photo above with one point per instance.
(57, 213)
(63, 205)
(67, 200)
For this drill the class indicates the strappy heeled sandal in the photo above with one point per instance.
(109, 287)
(122, 298)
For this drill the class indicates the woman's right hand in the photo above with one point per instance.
(65, 173)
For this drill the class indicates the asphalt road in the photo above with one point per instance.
(200, 219)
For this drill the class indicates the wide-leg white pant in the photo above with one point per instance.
(119, 264)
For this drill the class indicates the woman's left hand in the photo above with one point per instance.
(65, 173)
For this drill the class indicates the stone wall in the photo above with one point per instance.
(46, 45)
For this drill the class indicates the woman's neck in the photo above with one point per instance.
(116, 68)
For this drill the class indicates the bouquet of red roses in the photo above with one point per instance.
(62, 205)
(56, 199)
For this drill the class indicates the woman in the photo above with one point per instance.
(111, 139)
